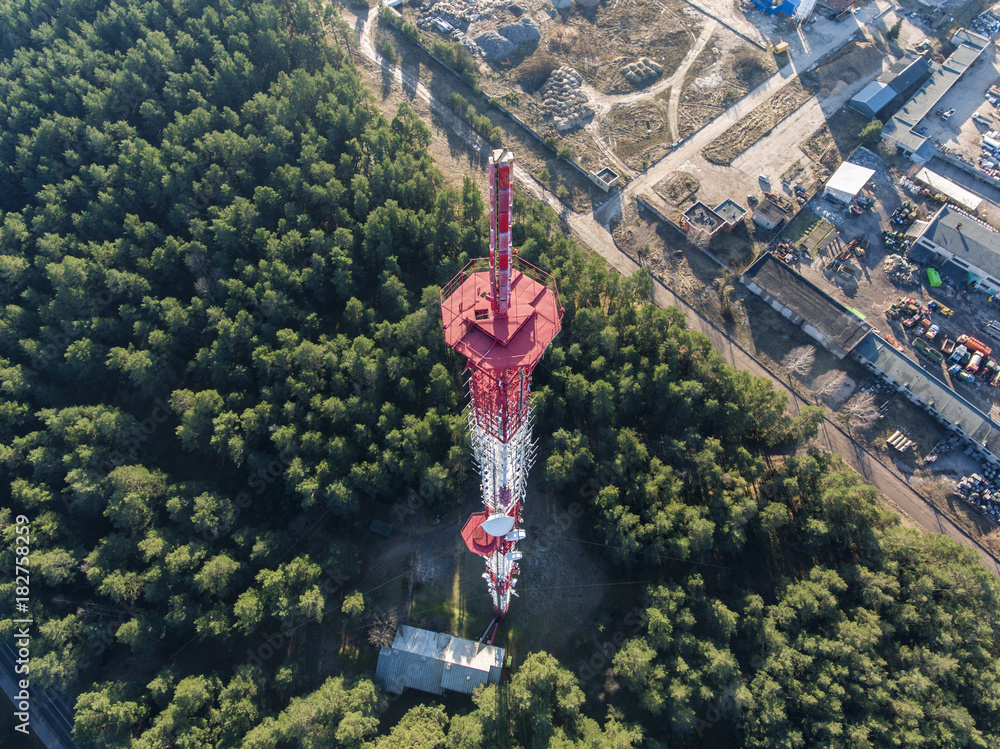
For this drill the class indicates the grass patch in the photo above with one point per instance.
(638, 128)
(677, 187)
(802, 226)
(740, 71)
(758, 123)
(918, 426)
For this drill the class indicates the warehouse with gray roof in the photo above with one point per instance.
(926, 390)
(819, 315)
(902, 76)
(970, 247)
(900, 129)
(436, 662)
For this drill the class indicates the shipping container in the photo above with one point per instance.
(926, 350)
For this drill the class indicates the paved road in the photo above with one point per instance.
(587, 228)
(51, 719)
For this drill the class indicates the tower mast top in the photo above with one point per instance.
(501, 220)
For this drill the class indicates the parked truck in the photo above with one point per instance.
(931, 353)
(974, 344)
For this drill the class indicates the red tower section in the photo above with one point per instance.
(501, 314)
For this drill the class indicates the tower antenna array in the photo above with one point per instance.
(500, 313)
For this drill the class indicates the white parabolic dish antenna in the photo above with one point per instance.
(498, 525)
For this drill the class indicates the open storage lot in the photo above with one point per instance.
(960, 133)
(871, 291)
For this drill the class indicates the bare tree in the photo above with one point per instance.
(799, 360)
(938, 490)
(860, 412)
(992, 540)
(382, 627)
(829, 383)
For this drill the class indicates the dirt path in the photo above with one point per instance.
(601, 103)
(677, 79)
(604, 103)
(597, 237)
(691, 150)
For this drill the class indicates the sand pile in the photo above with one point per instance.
(854, 61)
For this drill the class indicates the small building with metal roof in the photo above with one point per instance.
(767, 214)
(872, 98)
(848, 181)
(436, 662)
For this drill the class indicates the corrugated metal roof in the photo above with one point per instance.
(390, 671)
(850, 178)
(970, 201)
(970, 38)
(435, 661)
(932, 391)
(872, 98)
(399, 670)
(966, 239)
(462, 679)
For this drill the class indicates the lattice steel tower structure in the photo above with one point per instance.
(500, 313)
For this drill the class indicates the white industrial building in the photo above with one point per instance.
(848, 181)
(968, 200)
(435, 662)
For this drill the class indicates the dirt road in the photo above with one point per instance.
(691, 150)
(603, 103)
(597, 237)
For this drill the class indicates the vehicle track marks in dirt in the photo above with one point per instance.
(676, 81)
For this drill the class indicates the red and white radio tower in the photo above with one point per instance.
(501, 314)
